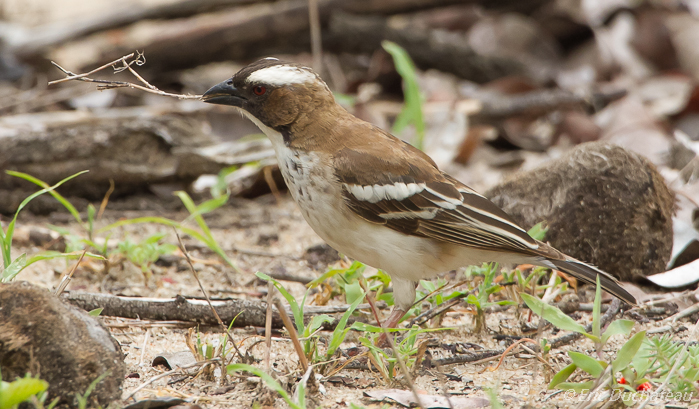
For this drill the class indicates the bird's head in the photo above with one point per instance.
(274, 93)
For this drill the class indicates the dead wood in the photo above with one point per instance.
(235, 34)
(468, 357)
(134, 147)
(498, 107)
(445, 51)
(262, 29)
(252, 312)
(27, 43)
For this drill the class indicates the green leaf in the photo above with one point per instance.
(50, 255)
(316, 322)
(13, 269)
(617, 327)
(562, 375)
(208, 206)
(353, 291)
(208, 240)
(553, 315)
(364, 327)
(16, 392)
(328, 274)
(576, 387)
(473, 300)
(96, 312)
(428, 286)
(296, 311)
(340, 331)
(91, 211)
(62, 200)
(586, 363)
(628, 352)
(267, 379)
(7, 235)
(538, 231)
(596, 310)
(412, 109)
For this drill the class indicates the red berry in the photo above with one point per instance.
(622, 381)
(645, 386)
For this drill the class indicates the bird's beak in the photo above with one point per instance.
(224, 93)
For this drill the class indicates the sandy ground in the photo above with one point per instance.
(278, 228)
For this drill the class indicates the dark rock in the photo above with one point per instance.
(319, 256)
(60, 343)
(603, 204)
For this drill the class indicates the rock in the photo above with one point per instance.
(60, 343)
(603, 204)
(320, 256)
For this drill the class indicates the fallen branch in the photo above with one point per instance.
(252, 312)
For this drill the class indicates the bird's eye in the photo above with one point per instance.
(259, 90)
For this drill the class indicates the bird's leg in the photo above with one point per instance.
(391, 322)
(403, 296)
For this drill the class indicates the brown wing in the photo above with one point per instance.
(407, 193)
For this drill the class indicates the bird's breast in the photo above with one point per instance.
(309, 178)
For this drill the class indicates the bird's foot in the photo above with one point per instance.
(391, 322)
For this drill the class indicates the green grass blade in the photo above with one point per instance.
(208, 206)
(340, 331)
(193, 210)
(295, 309)
(266, 378)
(412, 110)
(62, 200)
(7, 240)
(50, 255)
(11, 271)
(137, 220)
(597, 310)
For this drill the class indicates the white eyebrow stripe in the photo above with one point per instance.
(376, 193)
(281, 75)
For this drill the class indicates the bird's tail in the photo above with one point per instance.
(589, 274)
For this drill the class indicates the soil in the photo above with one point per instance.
(277, 227)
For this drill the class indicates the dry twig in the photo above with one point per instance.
(66, 278)
(292, 333)
(268, 324)
(127, 62)
(168, 373)
(208, 300)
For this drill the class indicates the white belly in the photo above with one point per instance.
(408, 257)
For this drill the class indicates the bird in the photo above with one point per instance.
(374, 197)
